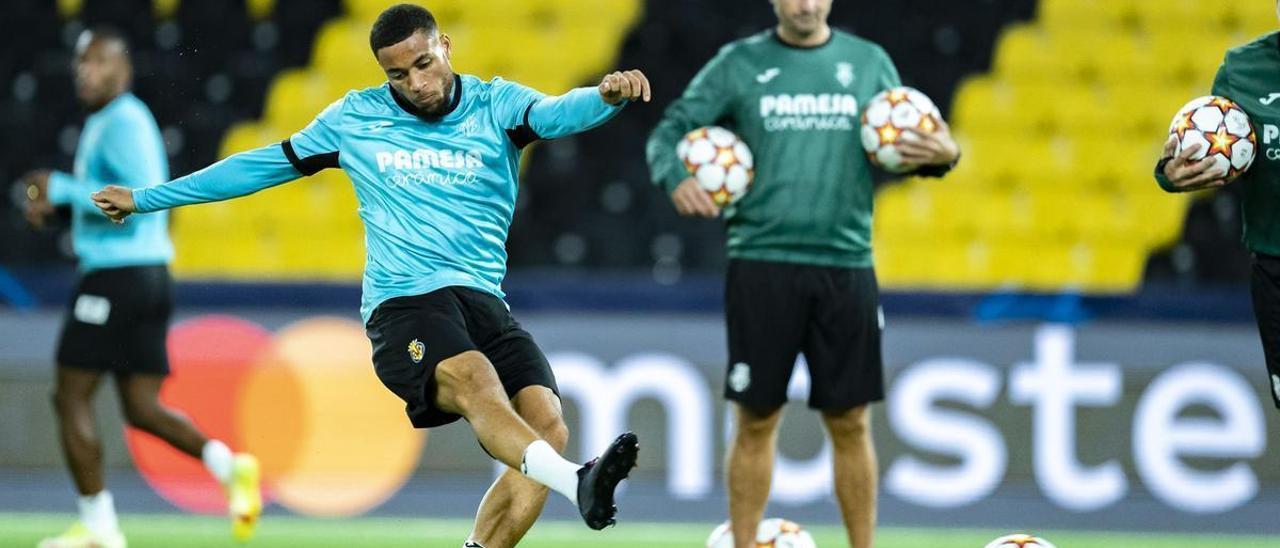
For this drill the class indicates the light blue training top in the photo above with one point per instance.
(436, 194)
(119, 145)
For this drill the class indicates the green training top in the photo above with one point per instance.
(1250, 76)
(798, 109)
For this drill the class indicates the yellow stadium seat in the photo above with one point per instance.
(366, 11)
(1160, 16)
(296, 97)
(982, 105)
(333, 50)
(1074, 14)
(1021, 52)
(164, 9)
(1059, 144)
(69, 8)
(996, 215)
(260, 9)
(248, 136)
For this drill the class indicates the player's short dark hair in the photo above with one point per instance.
(108, 33)
(399, 22)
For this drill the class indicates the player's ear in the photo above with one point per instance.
(446, 46)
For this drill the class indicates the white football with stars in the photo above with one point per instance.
(1223, 131)
(720, 161)
(886, 120)
(772, 533)
(1020, 540)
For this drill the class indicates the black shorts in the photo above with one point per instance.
(411, 335)
(117, 321)
(1265, 284)
(776, 310)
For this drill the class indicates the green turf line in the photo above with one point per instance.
(169, 530)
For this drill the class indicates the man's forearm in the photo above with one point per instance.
(577, 111)
(238, 175)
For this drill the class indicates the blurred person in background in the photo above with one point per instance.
(434, 157)
(118, 319)
(800, 275)
(1249, 76)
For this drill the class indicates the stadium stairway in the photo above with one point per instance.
(1055, 191)
(309, 230)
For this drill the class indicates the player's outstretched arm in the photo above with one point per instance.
(238, 175)
(586, 108)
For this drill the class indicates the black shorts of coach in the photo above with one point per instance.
(1265, 287)
(774, 311)
(117, 321)
(412, 335)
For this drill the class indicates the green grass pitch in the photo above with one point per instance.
(167, 530)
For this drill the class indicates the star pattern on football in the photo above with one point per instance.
(719, 161)
(1219, 131)
(887, 120)
(1182, 123)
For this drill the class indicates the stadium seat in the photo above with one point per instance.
(1059, 144)
(69, 8)
(164, 9)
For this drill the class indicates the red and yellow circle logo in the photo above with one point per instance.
(331, 439)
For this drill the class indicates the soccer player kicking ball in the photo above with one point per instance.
(1248, 76)
(800, 274)
(118, 319)
(434, 158)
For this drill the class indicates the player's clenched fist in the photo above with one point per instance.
(115, 202)
(624, 86)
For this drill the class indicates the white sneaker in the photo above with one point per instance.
(79, 536)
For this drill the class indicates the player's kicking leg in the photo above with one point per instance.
(237, 473)
(468, 385)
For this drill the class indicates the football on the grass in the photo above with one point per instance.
(772, 533)
(1020, 540)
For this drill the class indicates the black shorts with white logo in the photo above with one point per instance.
(1265, 286)
(117, 321)
(776, 310)
(412, 335)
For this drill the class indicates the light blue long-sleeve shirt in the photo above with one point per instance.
(436, 195)
(119, 145)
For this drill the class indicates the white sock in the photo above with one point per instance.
(98, 513)
(218, 460)
(544, 465)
